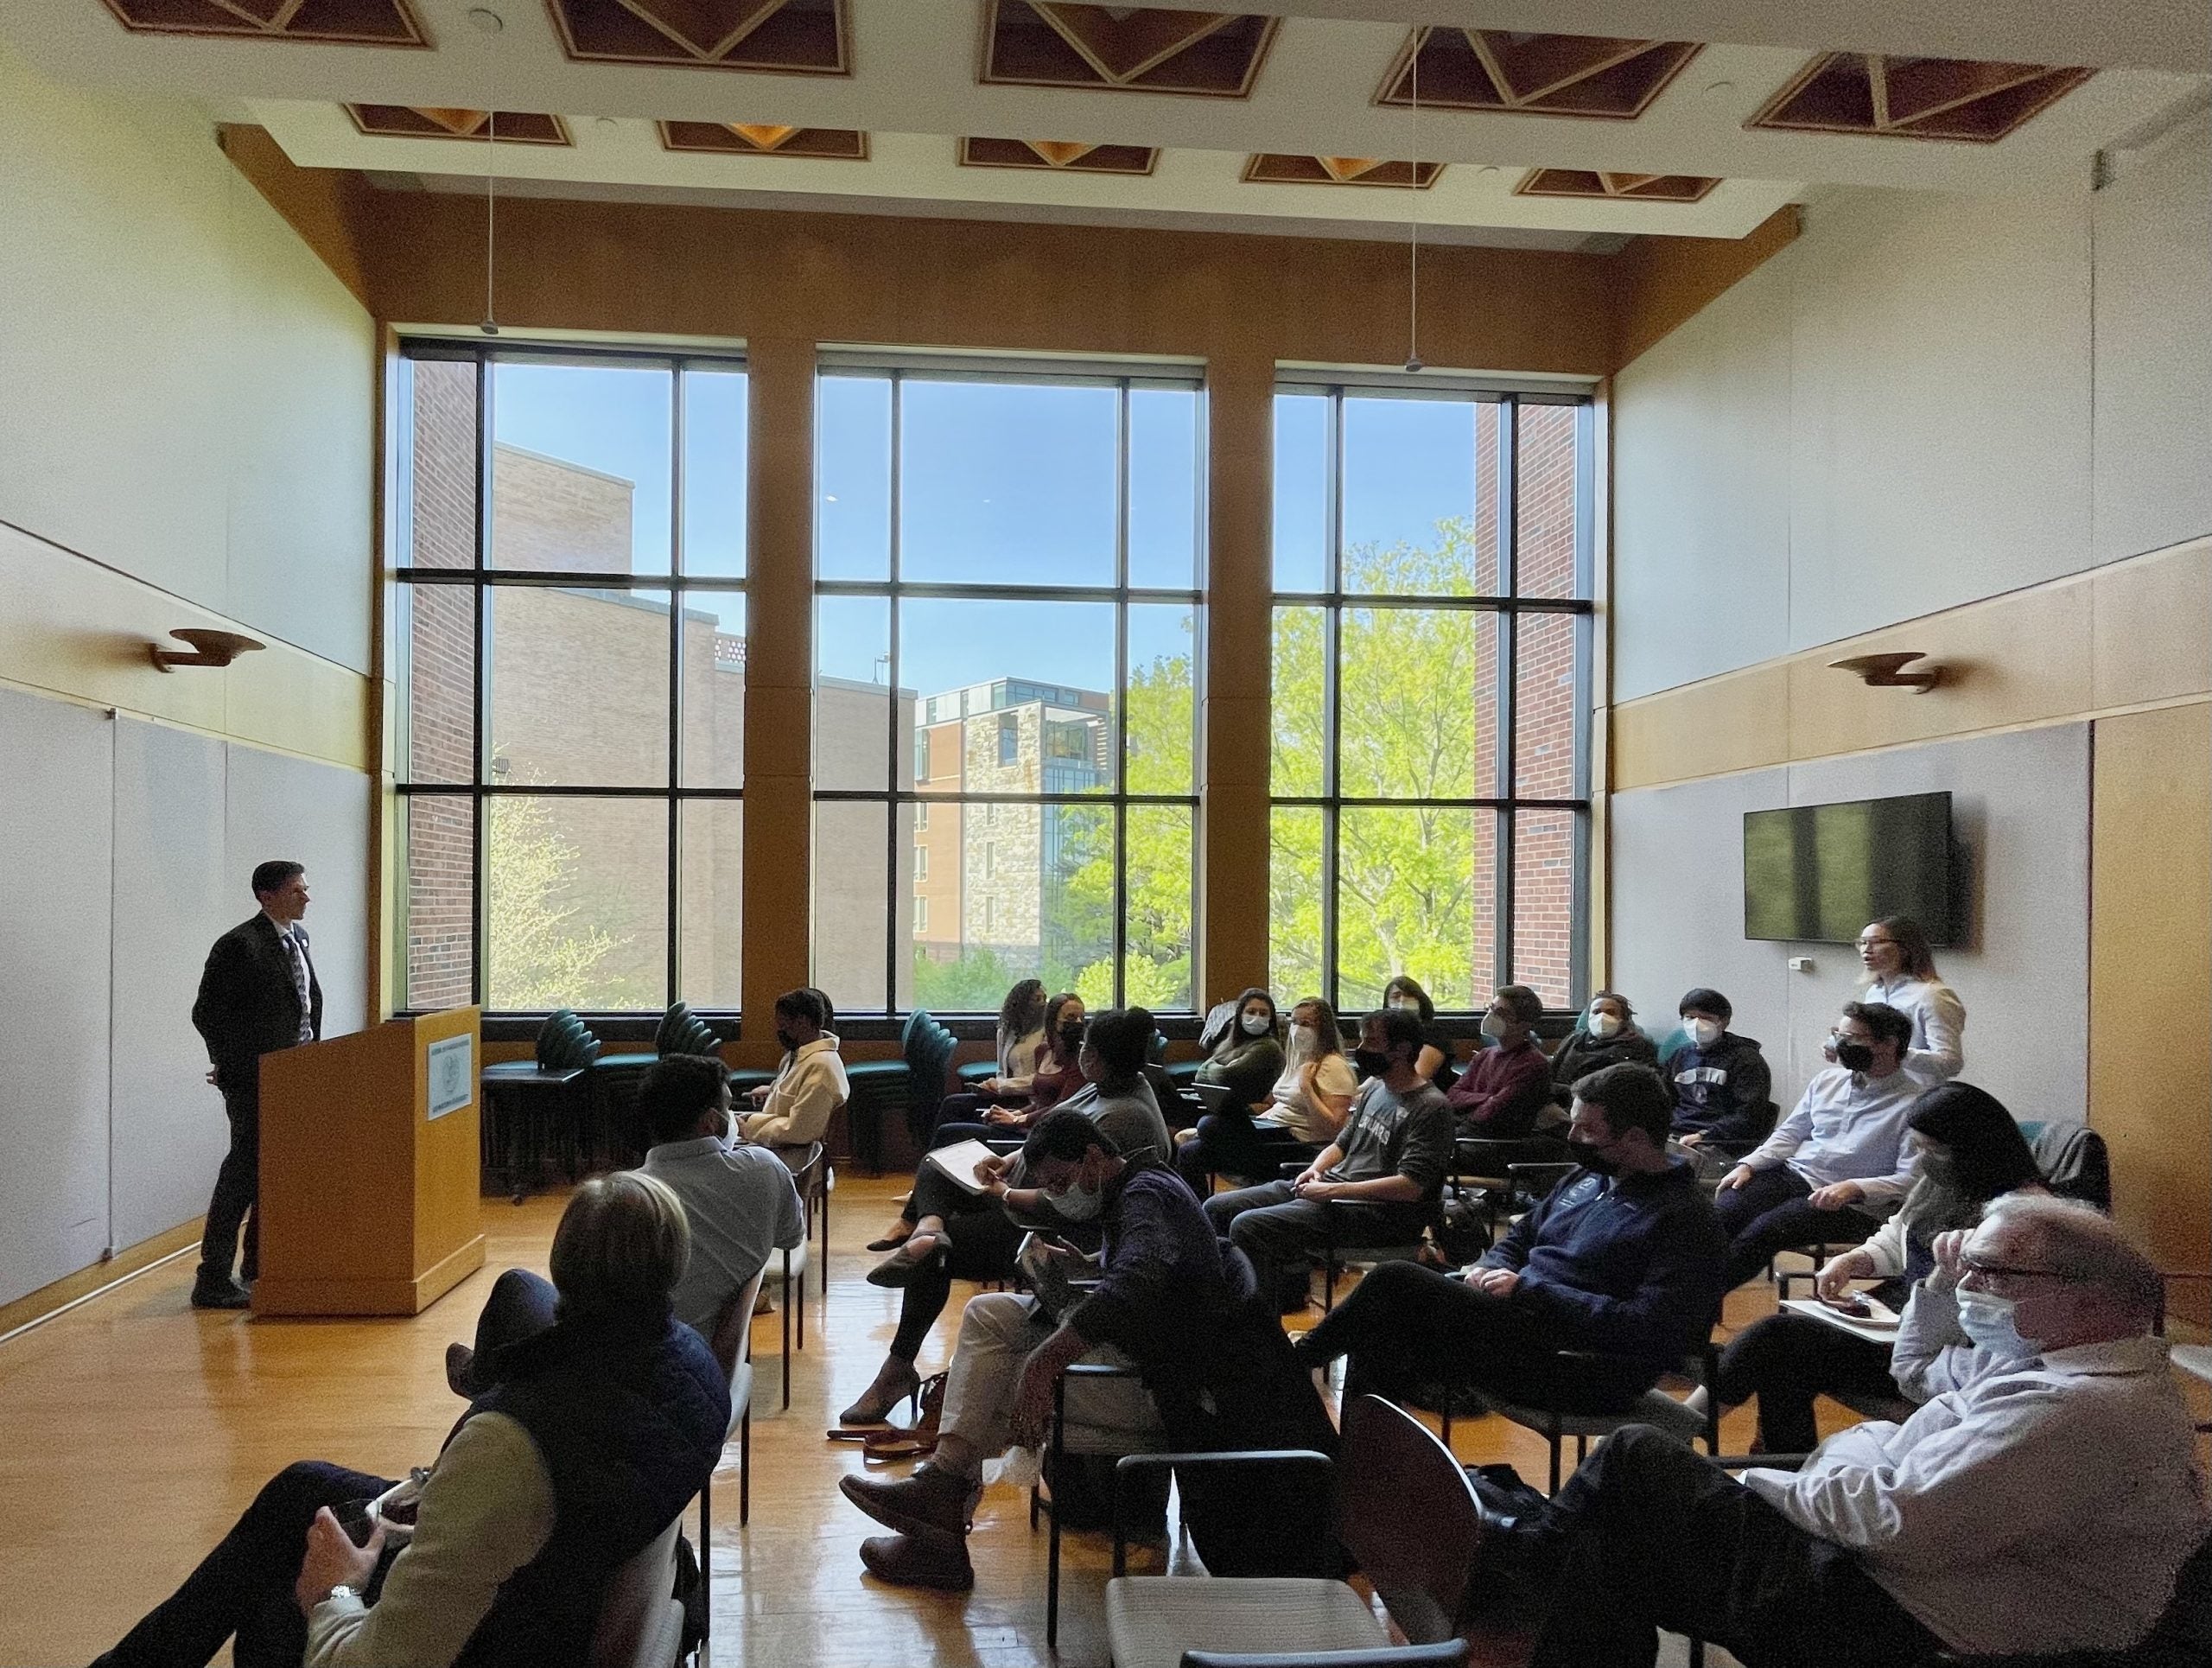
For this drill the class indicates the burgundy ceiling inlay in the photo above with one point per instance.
(758, 139)
(788, 37)
(1130, 48)
(1057, 156)
(513, 127)
(1537, 74)
(1271, 167)
(348, 23)
(1621, 188)
(1916, 98)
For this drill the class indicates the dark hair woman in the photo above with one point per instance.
(1971, 1152)
(1434, 1063)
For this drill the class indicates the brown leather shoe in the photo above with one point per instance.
(931, 1499)
(460, 1361)
(920, 1558)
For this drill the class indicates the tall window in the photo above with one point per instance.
(1008, 564)
(570, 661)
(1429, 775)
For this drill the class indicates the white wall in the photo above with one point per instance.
(2020, 809)
(1925, 400)
(131, 845)
(185, 393)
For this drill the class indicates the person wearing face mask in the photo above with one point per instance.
(965, 1234)
(1506, 1086)
(1971, 1153)
(1170, 1301)
(1837, 1163)
(809, 1086)
(1247, 1061)
(1405, 993)
(1621, 1259)
(2040, 1502)
(1378, 1180)
(1606, 1034)
(1898, 967)
(1723, 1092)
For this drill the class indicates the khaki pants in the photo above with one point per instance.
(998, 1330)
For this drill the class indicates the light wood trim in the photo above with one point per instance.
(1235, 626)
(78, 630)
(2127, 635)
(1665, 282)
(334, 210)
(71, 1287)
(778, 853)
(2151, 981)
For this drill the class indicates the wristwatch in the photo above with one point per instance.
(341, 1591)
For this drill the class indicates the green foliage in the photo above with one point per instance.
(538, 958)
(975, 981)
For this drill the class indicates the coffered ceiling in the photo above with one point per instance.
(1501, 121)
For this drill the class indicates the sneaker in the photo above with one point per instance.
(220, 1293)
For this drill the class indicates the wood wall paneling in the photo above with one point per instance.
(2150, 982)
(1664, 282)
(2128, 633)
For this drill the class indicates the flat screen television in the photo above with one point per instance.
(1820, 873)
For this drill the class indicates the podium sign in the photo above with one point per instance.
(370, 1197)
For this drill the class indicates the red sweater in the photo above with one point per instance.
(1500, 1093)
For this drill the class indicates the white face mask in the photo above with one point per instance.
(1493, 1027)
(1078, 1203)
(1989, 1321)
(1603, 1024)
(1255, 1025)
(1702, 1032)
(1407, 1005)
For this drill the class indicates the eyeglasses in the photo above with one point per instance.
(1870, 944)
(1974, 1265)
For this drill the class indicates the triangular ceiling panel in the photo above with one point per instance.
(1129, 49)
(790, 37)
(1537, 74)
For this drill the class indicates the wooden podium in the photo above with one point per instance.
(370, 1168)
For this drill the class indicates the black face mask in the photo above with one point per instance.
(1071, 1036)
(1857, 1055)
(1590, 1156)
(1373, 1062)
(786, 1040)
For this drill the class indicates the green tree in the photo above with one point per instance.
(539, 957)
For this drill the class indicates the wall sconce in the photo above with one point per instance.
(1887, 671)
(209, 648)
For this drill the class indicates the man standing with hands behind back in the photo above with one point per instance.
(257, 994)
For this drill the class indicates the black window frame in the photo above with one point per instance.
(899, 368)
(1332, 600)
(483, 580)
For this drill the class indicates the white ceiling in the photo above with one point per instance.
(914, 90)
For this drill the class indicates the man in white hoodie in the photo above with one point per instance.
(2042, 1498)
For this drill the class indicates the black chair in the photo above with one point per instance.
(810, 1177)
(733, 1347)
(1555, 1424)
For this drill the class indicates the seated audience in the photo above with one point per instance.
(1606, 1034)
(1234, 1143)
(1971, 1153)
(1504, 1087)
(1622, 1260)
(1380, 1176)
(1020, 1041)
(2043, 1502)
(967, 1232)
(1844, 1147)
(1214, 1369)
(604, 1416)
(1405, 993)
(1006, 1105)
(1900, 970)
(795, 1109)
(739, 1199)
(1723, 1092)
(1248, 1059)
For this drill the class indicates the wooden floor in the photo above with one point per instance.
(136, 1428)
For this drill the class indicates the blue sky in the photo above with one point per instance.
(1001, 483)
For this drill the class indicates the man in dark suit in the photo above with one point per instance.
(257, 994)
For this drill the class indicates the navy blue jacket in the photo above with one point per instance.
(630, 1417)
(1724, 1093)
(1628, 1265)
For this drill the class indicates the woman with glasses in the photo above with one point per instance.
(1971, 1153)
(1899, 969)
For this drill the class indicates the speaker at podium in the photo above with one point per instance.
(371, 1198)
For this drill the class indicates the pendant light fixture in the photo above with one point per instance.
(1413, 219)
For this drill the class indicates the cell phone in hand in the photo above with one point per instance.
(357, 1518)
